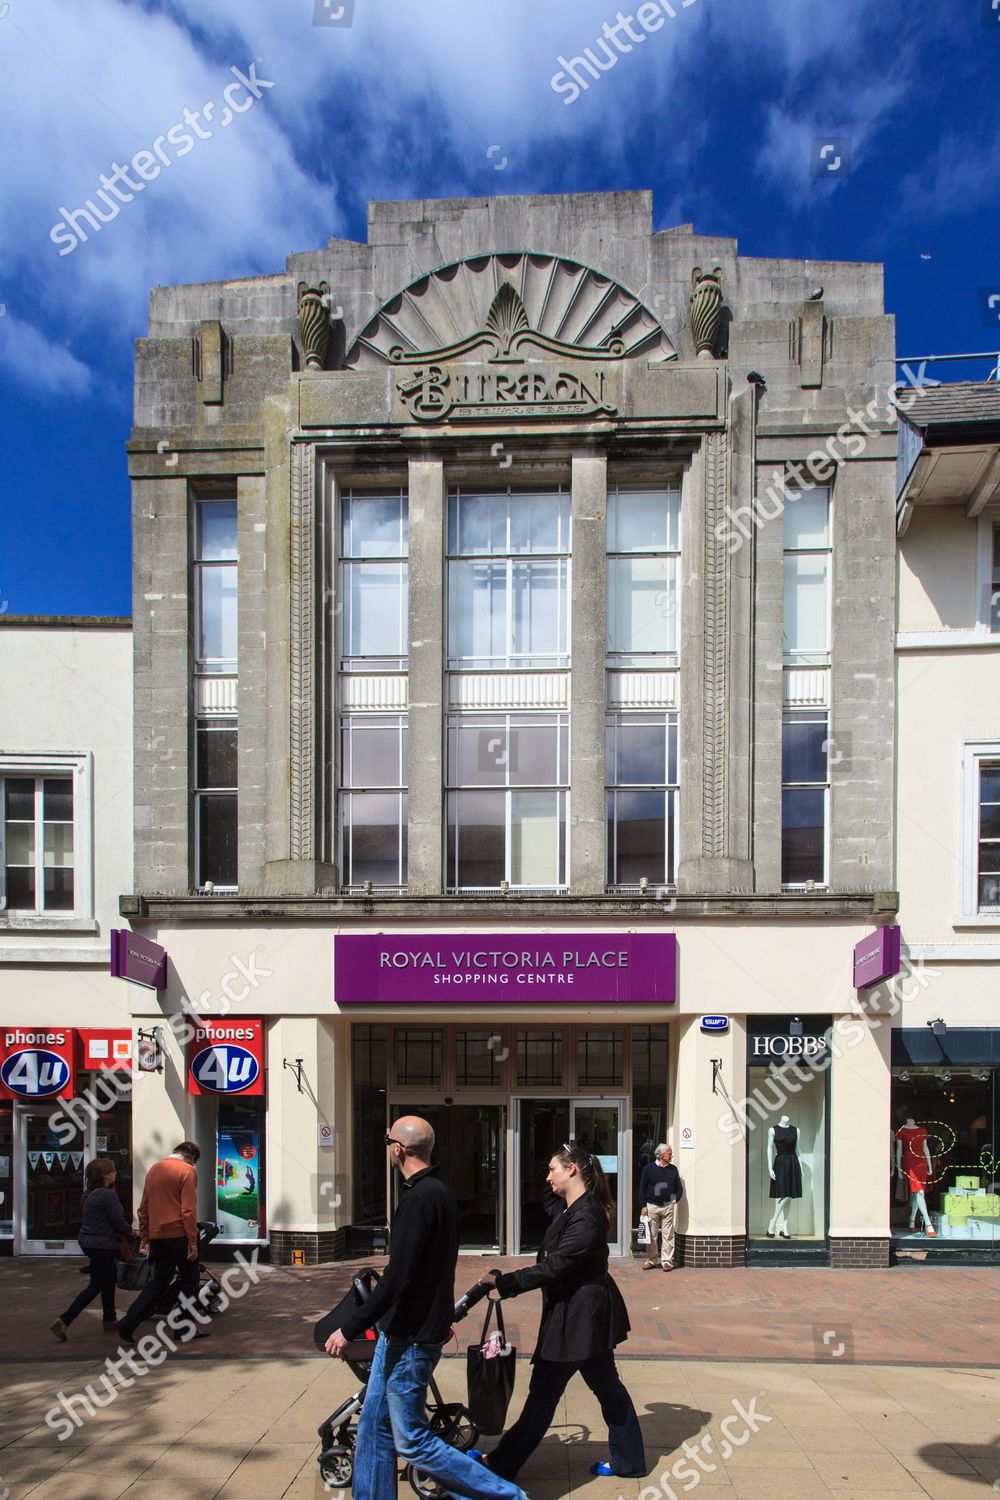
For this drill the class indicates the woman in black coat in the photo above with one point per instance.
(103, 1228)
(583, 1318)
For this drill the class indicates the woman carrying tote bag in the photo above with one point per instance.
(583, 1318)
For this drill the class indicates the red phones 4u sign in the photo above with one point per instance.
(226, 1057)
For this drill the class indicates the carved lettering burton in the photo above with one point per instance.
(433, 393)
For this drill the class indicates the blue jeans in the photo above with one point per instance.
(549, 1378)
(394, 1421)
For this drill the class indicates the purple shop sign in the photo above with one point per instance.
(877, 957)
(604, 969)
(136, 958)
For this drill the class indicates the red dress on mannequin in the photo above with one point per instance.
(914, 1161)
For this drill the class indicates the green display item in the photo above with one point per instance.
(986, 1205)
(967, 1182)
(957, 1207)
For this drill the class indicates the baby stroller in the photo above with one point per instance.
(338, 1434)
(209, 1291)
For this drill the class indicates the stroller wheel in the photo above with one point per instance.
(465, 1434)
(455, 1426)
(423, 1485)
(338, 1471)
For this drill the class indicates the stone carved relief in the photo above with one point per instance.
(706, 311)
(302, 635)
(715, 802)
(314, 323)
(503, 305)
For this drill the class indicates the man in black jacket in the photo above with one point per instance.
(414, 1303)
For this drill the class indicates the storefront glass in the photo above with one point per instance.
(370, 1083)
(6, 1169)
(787, 1138)
(943, 1157)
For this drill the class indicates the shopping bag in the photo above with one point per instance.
(124, 1251)
(644, 1235)
(133, 1275)
(490, 1374)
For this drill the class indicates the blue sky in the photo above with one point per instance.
(716, 112)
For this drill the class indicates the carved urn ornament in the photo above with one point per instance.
(314, 323)
(706, 311)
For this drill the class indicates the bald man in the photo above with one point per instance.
(414, 1303)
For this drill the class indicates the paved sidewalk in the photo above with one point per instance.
(197, 1428)
(923, 1316)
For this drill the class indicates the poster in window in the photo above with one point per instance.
(238, 1184)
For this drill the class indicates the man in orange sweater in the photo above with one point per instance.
(168, 1231)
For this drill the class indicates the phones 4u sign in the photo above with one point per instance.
(227, 1057)
(36, 1062)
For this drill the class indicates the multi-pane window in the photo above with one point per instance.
(373, 774)
(38, 850)
(988, 862)
(804, 796)
(995, 589)
(479, 1059)
(216, 664)
(508, 580)
(643, 564)
(600, 1059)
(641, 767)
(508, 780)
(807, 578)
(419, 1054)
(539, 1059)
(374, 581)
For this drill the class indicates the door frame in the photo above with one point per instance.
(616, 1247)
(398, 1099)
(22, 1109)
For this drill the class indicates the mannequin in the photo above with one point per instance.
(785, 1172)
(913, 1161)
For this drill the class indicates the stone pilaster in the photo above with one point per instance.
(426, 685)
(587, 689)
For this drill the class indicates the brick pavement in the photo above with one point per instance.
(920, 1316)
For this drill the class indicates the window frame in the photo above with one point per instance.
(800, 657)
(347, 723)
(202, 794)
(975, 754)
(808, 716)
(347, 561)
(223, 666)
(80, 769)
(637, 660)
(614, 718)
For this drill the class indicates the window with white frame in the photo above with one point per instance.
(38, 844)
(373, 800)
(808, 562)
(805, 789)
(508, 789)
(374, 581)
(216, 666)
(995, 586)
(643, 581)
(508, 580)
(986, 773)
(641, 769)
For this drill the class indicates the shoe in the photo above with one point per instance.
(602, 1469)
(478, 1455)
(930, 1230)
(202, 1333)
(59, 1329)
(770, 1234)
(649, 1265)
(110, 1325)
(668, 1266)
(124, 1337)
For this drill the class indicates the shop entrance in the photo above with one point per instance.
(470, 1146)
(542, 1127)
(48, 1179)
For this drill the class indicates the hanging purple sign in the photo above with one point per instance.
(877, 957)
(603, 969)
(136, 958)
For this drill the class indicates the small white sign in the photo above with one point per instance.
(687, 1136)
(608, 1163)
(99, 1047)
(325, 1134)
(102, 1143)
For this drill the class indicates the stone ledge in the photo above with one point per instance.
(711, 1251)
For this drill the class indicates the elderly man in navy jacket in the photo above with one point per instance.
(660, 1191)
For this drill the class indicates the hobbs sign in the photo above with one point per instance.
(788, 1046)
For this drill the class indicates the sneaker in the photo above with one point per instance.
(602, 1469)
(59, 1329)
(478, 1455)
(124, 1337)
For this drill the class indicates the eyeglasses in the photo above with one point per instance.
(391, 1141)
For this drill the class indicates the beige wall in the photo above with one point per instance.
(937, 570)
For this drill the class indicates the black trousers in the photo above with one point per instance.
(170, 1259)
(549, 1378)
(102, 1283)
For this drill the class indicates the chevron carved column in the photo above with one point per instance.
(302, 594)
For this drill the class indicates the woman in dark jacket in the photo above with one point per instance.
(583, 1318)
(100, 1237)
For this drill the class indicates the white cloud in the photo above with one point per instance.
(31, 359)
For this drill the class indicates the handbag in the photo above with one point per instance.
(124, 1251)
(134, 1274)
(490, 1370)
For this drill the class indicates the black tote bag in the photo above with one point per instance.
(491, 1381)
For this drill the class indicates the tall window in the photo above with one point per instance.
(988, 863)
(38, 853)
(641, 766)
(643, 562)
(995, 591)
(508, 580)
(508, 778)
(807, 578)
(374, 581)
(373, 759)
(216, 573)
(804, 796)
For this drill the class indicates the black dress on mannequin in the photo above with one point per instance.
(787, 1179)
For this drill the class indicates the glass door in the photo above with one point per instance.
(48, 1183)
(543, 1127)
(469, 1145)
(597, 1127)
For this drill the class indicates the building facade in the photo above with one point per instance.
(66, 839)
(946, 1046)
(514, 690)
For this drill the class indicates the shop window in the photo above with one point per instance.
(114, 1130)
(240, 1188)
(539, 1059)
(369, 1094)
(508, 779)
(508, 580)
(804, 796)
(807, 578)
(946, 1182)
(374, 803)
(786, 1149)
(374, 581)
(479, 1059)
(641, 766)
(600, 1059)
(39, 844)
(643, 564)
(418, 1058)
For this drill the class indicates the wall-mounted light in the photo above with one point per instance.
(296, 1068)
(904, 1077)
(716, 1073)
(938, 1027)
(795, 1026)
